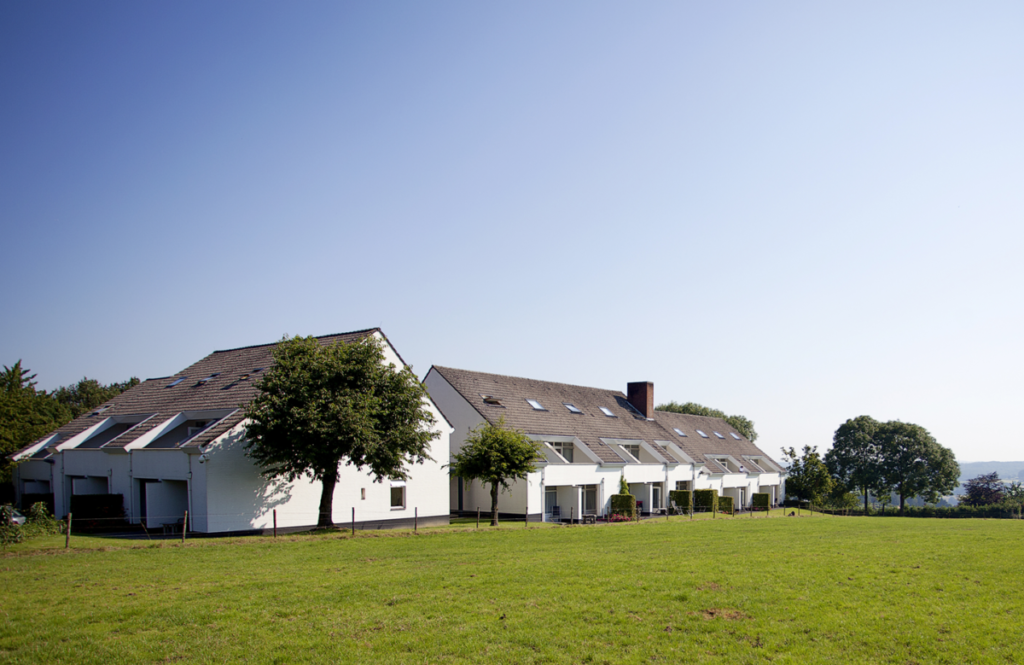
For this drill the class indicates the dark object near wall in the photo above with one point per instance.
(98, 512)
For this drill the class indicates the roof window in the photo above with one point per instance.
(679, 431)
(176, 382)
(607, 412)
(735, 436)
(701, 432)
(572, 407)
(101, 409)
(536, 405)
(719, 435)
(491, 399)
(207, 379)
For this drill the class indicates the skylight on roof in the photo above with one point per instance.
(607, 412)
(679, 431)
(535, 404)
(719, 435)
(701, 432)
(209, 377)
(176, 382)
(572, 407)
(492, 400)
(735, 436)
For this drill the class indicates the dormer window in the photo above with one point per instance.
(535, 404)
(679, 431)
(701, 432)
(719, 435)
(572, 408)
(176, 382)
(491, 400)
(607, 412)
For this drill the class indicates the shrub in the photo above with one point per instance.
(10, 532)
(618, 518)
(760, 501)
(623, 485)
(725, 505)
(40, 522)
(705, 500)
(624, 504)
(681, 498)
(27, 500)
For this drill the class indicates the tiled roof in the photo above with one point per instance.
(592, 425)
(232, 388)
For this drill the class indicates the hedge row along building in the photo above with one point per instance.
(591, 437)
(177, 444)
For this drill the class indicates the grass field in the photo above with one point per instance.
(787, 590)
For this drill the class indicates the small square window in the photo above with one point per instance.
(572, 407)
(701, 432)
(362, 494)
(397, 498)
(176, 382)
(536, 405)
(679, 431)
(607, 412)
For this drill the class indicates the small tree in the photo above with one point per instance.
(319, 406)
(623, 485)
(496, 454)
(807, 478)
(983, 490)
(1013, 497)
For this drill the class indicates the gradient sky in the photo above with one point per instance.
(800, 212)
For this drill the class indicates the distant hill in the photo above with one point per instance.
(1006, 471)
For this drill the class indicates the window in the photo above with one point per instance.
(535, 404)
(362, 493)
(491, 400)
(735, 436)
(563, 449)
(398, 497)
(679, 431)
(719, 435)
(607, 412)
(203, 381)
(633, 449)
(701, 432)
(176, 382)
(572, 408)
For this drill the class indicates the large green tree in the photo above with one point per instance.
(496, 454)
(912, 463)
(807, 477)
(742, 424)
(87, 394)
(854, 457)
(26, 414)
(320, 406)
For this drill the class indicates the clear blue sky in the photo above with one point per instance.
(801, 212)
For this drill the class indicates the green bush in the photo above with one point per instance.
(10, 533)
(705, 501)
(725, 505)
(760, 501)
(28, 499)
(624, 504)
(681, 498)
(40, 522)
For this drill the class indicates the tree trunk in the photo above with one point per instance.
(494, 504)
(326, 518)
(901, 504)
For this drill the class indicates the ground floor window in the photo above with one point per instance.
(397, 497)
(590, 499)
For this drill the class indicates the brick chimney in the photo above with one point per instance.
(641, 395)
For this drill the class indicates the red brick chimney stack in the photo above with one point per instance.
(641, 395)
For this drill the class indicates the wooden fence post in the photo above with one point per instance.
(415, 519)
(67, 535)
(478, 517)
(526, 515)
(353, 520)
(184, 526)
(571, 513)
(275, 522)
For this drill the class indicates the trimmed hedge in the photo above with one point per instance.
(705, 500)
(624, 504)
(725, 505)
(681, 498)
(759, 501)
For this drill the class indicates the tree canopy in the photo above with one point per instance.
(983, 490)
(319, 406)
(854, 457)
(807, 477)
(912, 463)
(742, 424)
(496, 454)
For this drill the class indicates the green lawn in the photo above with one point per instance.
(809, 590)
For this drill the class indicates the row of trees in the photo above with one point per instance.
(27, 413)
(742, 424)
(871, 457)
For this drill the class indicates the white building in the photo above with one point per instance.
(177, 443)
(592, 437)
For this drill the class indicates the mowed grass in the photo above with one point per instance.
(788, 590)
